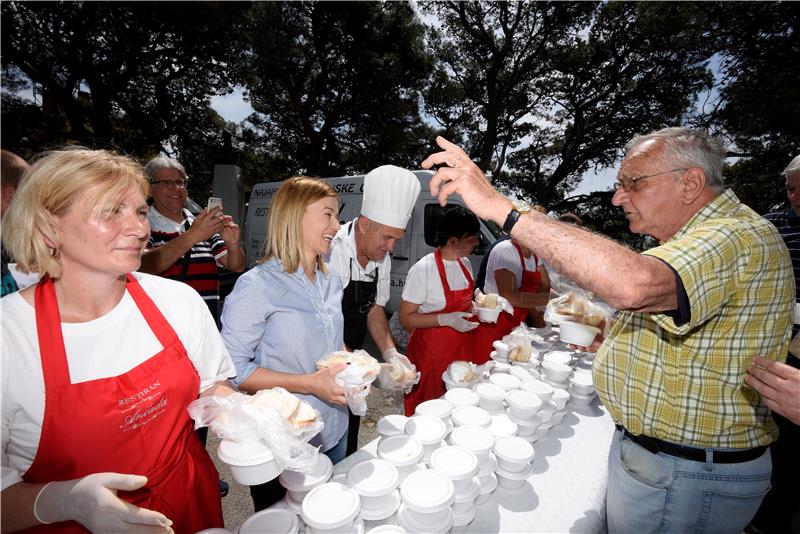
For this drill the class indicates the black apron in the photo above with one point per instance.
(357, 300)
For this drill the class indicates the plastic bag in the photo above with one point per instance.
(492, 300)
(578, 306)
(361, 371)
(408, 377)
(243, 418)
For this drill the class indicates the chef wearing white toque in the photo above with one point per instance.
(360, 256)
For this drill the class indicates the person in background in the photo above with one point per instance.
(360, 256)
(436, 301)
(689, 450)
(184, 247)
(779, 383)
(285, 314)
(13, 167)
(117, 355)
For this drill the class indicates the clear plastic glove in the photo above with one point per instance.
(457, 321)
(385, 381)
(92, 501)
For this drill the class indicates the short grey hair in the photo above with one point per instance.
(689, 148)
(792, 168)
(162, 162)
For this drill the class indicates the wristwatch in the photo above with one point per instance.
(518, 209)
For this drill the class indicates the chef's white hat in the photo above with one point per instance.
(389, 195)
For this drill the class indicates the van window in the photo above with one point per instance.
(433, 215)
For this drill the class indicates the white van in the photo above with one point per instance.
(417, 242)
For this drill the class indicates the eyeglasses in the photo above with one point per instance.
(180, 184)
(627, 183)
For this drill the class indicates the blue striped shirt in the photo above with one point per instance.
(788, 224)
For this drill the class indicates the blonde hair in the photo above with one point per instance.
(284, 229)
(51, 187)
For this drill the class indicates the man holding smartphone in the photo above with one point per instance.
(184, 247)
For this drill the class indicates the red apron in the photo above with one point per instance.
(433, 349)
(488, 333)
(134, 423)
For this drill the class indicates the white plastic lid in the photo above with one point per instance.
(537, 387)
(275, 519)
(471, 415)
(373, 477)
(392, 425)
(556, 367)
(475, 438)
(456, 462)
(462, 397)
(244, 453)
(490, 391)
(582, 378)
(426, 428)
(297, 481)
(440, 408)
(502, 425)
(427, 491)
(558, 356)
(387, 529)
(524, 399)
(330, 506)
(400, 450)
(505, 380)
(520, 372)
(513, 449)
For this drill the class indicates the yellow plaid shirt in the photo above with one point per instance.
(685, 384)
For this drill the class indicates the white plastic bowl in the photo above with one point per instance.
(522, 373)
(251, 462)
(500, 366)
(491, 396)
(450, 384)
(556, 372)
(523, 404)
(558, 356)
(299, 483)
(415, 522)
(478, 439)
(488, 466)
(582, 383)
(400, 451)
(513, 453)
(581, 400)
(274, 519)
(458, 463)
(538, 388)
(560, 398)
(468, 495)
(331, 507)
(373, 479)
(488, 315)
(502, 425)
(462, 397)
(512, 479)
(500, 350)
(429, 430)
(440, 408)
(392, 425)
(505, 380)
(427, 491)
(578, 334)
(471, 415)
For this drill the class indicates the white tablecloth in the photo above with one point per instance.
(567, 489)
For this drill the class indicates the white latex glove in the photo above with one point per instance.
(456, 321)
(384, 379)
(92, 501)
(391, 354)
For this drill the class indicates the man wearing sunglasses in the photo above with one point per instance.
(689, 453)
(360, 256)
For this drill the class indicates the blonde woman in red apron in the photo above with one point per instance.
(96, 378)
(533, 290)
(436, 303)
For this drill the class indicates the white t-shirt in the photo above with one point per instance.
(107, 346)
(505, 256)
(344, 262)
(424, 287)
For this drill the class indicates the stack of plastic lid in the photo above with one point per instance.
(404, 452)
(471, 416)
(332, 507)
(298, 484)
(251, 462)
(461, 466)
(427, 498)
(275, 519)
(480, 441)
(502, 425)
(376, 482)
(391, 425)
(514, 456)
(462, 397)
(441, 408)
(428, 430)
(491, 396)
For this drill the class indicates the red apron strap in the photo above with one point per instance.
(51, 341)
(155, 319)
(437, 255)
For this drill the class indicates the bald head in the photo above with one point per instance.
(13, 167)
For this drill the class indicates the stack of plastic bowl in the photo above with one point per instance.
(500, 352)
(428, 430)
(441, 408)
(462, 397)
(491, 396)
(558, 356)
(514, 457)
(476, 439)
(502, 425)
(522, 373)
(404, 452)
(391, 425)
(427, 497)
(488, 315)
(581, 389)
(298, 484)
(461, 466)
(523, 409)
(376, 483)
(332, 507)
(507, 381)
(471, 415)
(560, 399)
(251, 462)
(500, 366)
(538, 388)
(275, 519)
(556, 374)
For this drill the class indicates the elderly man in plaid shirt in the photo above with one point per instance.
(689, 453)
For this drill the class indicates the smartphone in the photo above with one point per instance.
(214, 202)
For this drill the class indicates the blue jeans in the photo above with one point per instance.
(660, 493)
(338, 452)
